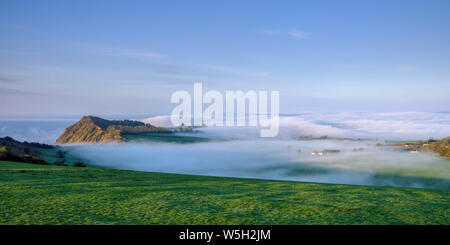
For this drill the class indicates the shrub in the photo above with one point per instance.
(34, 160)
(60, 154)
(79, 164)
(60, 164)
(4, 156)
(4, 149)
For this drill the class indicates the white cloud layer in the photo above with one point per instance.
(298, 34)
(371, 125)
(238, 152)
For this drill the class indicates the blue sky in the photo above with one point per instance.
(69, 58)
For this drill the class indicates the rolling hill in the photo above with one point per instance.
(90, 129)
(38, 194)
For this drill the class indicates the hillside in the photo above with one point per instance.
(13, 150)
(38, 194)
(23, 148)
(442, 147)
(439, 146)
(36, 153)
(90, 129)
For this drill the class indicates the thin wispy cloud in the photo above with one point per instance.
(139, 54)
(108, 50)
(25, 28)
(234, 70)
(6, 79)
(7, 91)
(298, 34)
(404, 68)
(11, 52)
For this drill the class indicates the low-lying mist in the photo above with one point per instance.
(239, 152)
(359, 162)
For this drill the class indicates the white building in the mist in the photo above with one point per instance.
(324, 152)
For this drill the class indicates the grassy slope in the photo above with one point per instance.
(34, 194)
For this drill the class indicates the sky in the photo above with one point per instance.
(108, 58)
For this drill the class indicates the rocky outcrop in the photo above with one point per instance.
(92, 129)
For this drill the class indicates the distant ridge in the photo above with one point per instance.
(91, 129)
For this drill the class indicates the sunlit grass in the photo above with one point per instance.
(34, 194)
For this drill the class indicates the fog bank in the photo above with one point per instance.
(278, 160)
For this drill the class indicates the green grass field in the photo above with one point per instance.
(36, 194)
